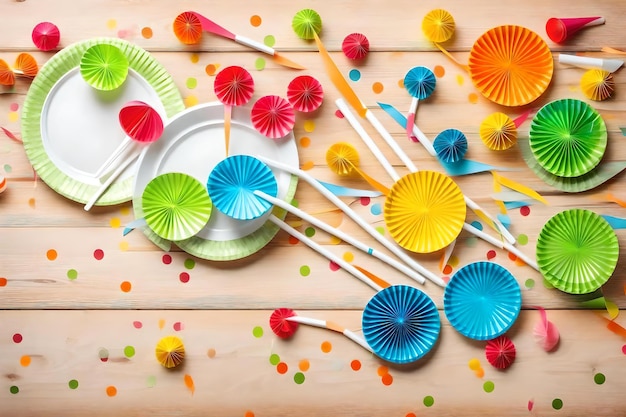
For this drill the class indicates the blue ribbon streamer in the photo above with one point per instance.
(341, 191)
(133, 225)
(615, 222)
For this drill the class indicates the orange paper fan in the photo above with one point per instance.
(26, 65)
(511, 65)
(188, 28)
(6, 74)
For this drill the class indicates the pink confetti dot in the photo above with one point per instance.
(14, 106)
(365, 201)
(98, 254)
(624, 349)
(178, 326)
(137, 324)
(339, 114)
(333, 266)
(167, 259)
(184, 277)
(491, 254)
(17, 338)
(524, 211)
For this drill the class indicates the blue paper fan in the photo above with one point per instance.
(420, 82)
(232, 183)
(450, 145)
(482, 300)
(401, 324)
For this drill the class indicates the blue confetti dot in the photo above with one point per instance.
(376, 209)
(355, 75)
(477, 225)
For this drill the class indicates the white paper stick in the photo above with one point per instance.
(121, 149)
(323, 324)
(105, 185)
(342, 235)
(423, 139)
(254, 44)
(610, 65)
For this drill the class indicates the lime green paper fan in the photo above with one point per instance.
(176, 206)
(104, 67)
(306, 23)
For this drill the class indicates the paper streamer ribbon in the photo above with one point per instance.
(520, 188)
(341, 191)
(615, 327)
(615, 222)
(610, 197)
(133, 225)
(601, 303)
(511, 205)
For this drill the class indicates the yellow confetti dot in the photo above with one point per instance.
(194, 58)
(474, 364)
(309, 126)
(161, 324)
(125, 211)
(124, 245)
(111, 24)
(191, 101)
(401, 83)
(334, 240)
(13, 116)
(460, 80)
(377, 87)
(473, 98)
(115, 222)
(453, 261)
(348, 256)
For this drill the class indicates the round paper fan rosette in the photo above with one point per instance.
(420, 82)
(232, 184)
(273, 116)
(7, 77)
(438, 25)
(401, 324)
(233, 86)
(597, 84)
(279, 324)
(176, 206)
(511, 65)
(141, 122)
(26, 65)
(342, 158)
(188, 28)
(500, 352)
(306, 24)
(104, 67)
(305, 93)
(424, 211)
(498, 132)
(577, 251)
(568, 137)
(46, 36)
(482, 300)
(450, 145)
(355, 46)
(170, 351)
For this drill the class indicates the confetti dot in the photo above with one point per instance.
(480, 372)
(524, 211)
(307, 165)
(161, 324)
(178, 326)
(274, 359)
(151, 381)
(333, 266)
(210, 69)
(474, 364)
(72, 274)
(304, 365)
(129, 351)
(7, 168)
(293, 240)
(124, 245)
(599, 378)
(381, 230)
(51, 254)
(377, 87)
(547, 284)
(305, 270)
(460, 80)
(191, 83)
(453, 261)
(355, 365)
(111, 391)
(98, 254)
(166, 259)
(137, 324)
(309, 126)
(305, 141)
(473, 98)
(183, 277)
(382, 370)
(326, 347)
(376, 209)
(387, 379)
(439, 71)
(211, 353)
(194, 58)
(126, 286)
(269, 40)
(529, 283)
(146, 32)
(111, 24)
(25, 361)
(115, 222)
(298, 378)
(348, 256)
(14, 106)
(189, 263)
(103, 354)
(248, 414)
(489, 386)
(429, 401)
(355, 75)
(491, 254)
(257, 331)
(478, 225)
(125, 211)
(14, 389)
(3, 282)
(410, 415)
(255, 20)
(259, 64)
(512, 256)
(31, 202)
(471, 241)
(282, 368)
(447, 270)
(624, 349)
(73, 384)
(365, 201)
(401, 83)
(191, 101)
(309, 232)
(557, 403)
(339, 114)
(522, 239)
(13, 117)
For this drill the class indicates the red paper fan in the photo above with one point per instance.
(500, 352)
(355, 46)
(188, 28)
(141, 122)
(282, 327)
(6, 74)
(26, 65)
(46, 36)
(273, 116)
(233, 86)
(305, 93)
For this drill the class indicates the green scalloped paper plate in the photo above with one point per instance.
(577, 251)
(69, 128)
(568, 137)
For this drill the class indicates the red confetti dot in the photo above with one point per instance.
(491, 254)
(365, 201)
(387, 379)
(178, 326)
(17, 338)
(184, 277)
(447, 270)
(512, 256)
(333, 266)
(339, 114)
(167, 259)
(293, 240)
(14, 106)
(3, 281)
(98, 254)
(524, 211)
(282, 368)
(137, 325)
(624, 349)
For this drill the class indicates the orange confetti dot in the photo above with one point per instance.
(255, 20)
(377, 87)
(473, 98)
(25, 360)
(512, 256)
(355, 365)
(125, 286)
(439, 71)
(146, 32)
(282, 368)
(211, 353)
(447, 270)
(31, 202)
(326, 346)
(410, 415)
(189, 383)
(111, 391)
(387, 379)
(51, 254)
(480, 372)
(401, 83)
(161, 324)
(248, 414)
(293, 240)
(210, 69)
(307, 165)
(382, 370)
(305, 142)
(304, 365)
(3, 282)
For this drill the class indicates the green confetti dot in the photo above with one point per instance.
(269, 40)
(429, 401)
(73, 384)
(129, 351)
(274, 359)
(381, 230)
(259, 64)
(599, 378)
(470, 242)
(189, 263)
(298, 378)
(192, 83)
(309, 231)
(305, 270)
(522, 239)
(14, 389)
(151, 381)
(489, 386)
(257, 332)
(72, 274)
(529, 283)
(7, 168)
(557, 403)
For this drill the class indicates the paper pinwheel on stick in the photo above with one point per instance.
(233, 86)
(273, 116)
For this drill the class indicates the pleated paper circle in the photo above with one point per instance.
(401, 324)
(233, 86)
(342, 158)
(279, 324)
(597, 84)
(46, 36)
(306, 23)
(438, 25)
(141, 122)
(498, 132)
(305, 93)
(450, 145)
(420, 82)
(104, 67)
(7, 77)
(170, 351)
(500, 352)
(188, 28)
(355, 46)
(273, 116)
(26, 64)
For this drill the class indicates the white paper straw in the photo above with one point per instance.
(502, 245)
(323, 324)
(105, 185)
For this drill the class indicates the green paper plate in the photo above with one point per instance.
(568, 137)
(104, 67)
(66, 160)
(577, 251)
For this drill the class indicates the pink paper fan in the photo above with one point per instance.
(545, 332)
(305, 93)
(355, 46)
(282, 327)
(234, 86)
(141, 122)
(500, 352)
(46, 36)
(273, 116)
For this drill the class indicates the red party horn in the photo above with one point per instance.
(559, 29)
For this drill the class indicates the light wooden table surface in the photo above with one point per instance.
(56, 332)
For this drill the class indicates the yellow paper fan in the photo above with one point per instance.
(342, 158)
(26, 65)
(597, 84)
(438, 25)
(498, 132)
(170, 351)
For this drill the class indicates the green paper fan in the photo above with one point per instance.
(568, 137)
(104, 67)
(577, 251)
(306, 23)
(176, 206)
